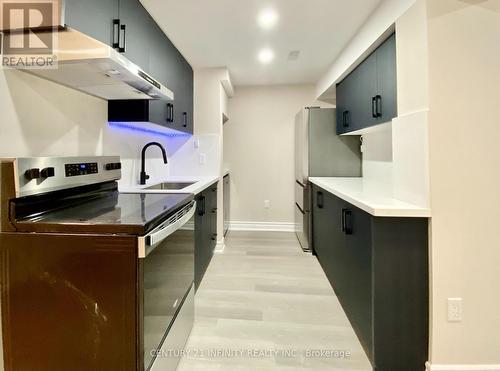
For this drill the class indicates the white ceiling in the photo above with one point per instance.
(216, 33)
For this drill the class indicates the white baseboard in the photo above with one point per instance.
(432, 367)
(262, 226)
(219, 248)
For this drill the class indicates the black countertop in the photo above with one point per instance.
(115, 212)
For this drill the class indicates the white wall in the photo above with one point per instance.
(464, 137)
(212, 86)
(259, 150)
(377, 155)
(40, 118)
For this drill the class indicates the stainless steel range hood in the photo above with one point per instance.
(90, 66)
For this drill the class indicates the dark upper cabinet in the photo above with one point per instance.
(136, 35)
(386, 80)
(368, 95)
(143, 42)
(94, 18)
(379, 270)
(169, 66)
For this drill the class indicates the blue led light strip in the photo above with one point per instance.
(170, 133)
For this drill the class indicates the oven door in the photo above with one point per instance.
(167, 270)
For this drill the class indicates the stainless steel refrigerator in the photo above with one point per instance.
(319, 152)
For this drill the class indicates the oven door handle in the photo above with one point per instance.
(149, 242)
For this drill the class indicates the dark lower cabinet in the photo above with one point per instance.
(378, 267)
(205, 231)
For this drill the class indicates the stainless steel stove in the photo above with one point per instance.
(92, 279)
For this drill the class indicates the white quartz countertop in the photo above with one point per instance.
(372, 197)
(200, 184)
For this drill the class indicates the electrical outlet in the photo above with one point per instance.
(267, 204)
(454, 309)
(203, 159)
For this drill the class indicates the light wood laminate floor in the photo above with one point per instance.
(266, 305)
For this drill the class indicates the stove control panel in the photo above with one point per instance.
(113, 166)
(81, 169)
(37, 175)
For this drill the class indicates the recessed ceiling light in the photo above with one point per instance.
(266, 56)
(267, 19)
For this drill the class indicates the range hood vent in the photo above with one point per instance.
(90, 66)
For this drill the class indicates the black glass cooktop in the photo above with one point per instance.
(111, 212)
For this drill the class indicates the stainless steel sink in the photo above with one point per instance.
(171, 186)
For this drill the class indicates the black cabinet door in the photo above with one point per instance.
(387, 80)
(169, 66)
(227, 203)
(321, 235)
(364, 91)
(368, 95)
(93, 17)
(186, 93)
(357, 299)
(354, 97)
(344, 110)
(212, 197)
(328, 238)
(138, 24)
(200, 256)
(206, 231)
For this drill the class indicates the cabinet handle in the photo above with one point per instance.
(116, 33)
(123, 47)
(214, 211)
(320, 200)
(345, 119)
(170, 112)
(185, 115)
(378, 108)
(374, 107)
(347, 221)
(202, 209)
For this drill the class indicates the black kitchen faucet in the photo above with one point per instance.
(145, 176)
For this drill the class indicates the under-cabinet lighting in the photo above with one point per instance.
(170, 133)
